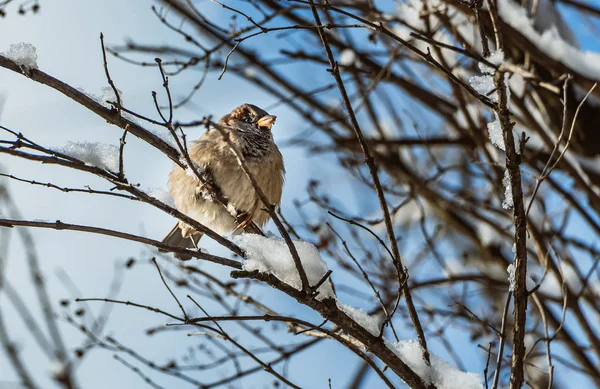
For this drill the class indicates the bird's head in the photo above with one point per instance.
(250, 115)
(251, 129)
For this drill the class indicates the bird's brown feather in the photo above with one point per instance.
(211, 152)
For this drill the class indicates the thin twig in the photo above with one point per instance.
(502, 342)
(169, 289)
(58, 225)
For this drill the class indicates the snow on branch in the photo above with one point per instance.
(369, 323)
(550, 42)
(531, 284)
(97, 154)
(440, 373)
(508, 202)
(484, 84)
(24, 54)
(272, 256)
(162, 195)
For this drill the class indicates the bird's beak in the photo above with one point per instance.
(267, 121)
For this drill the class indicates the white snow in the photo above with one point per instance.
(91, 96)
(530, 283)
(511, 277)
(108, 94)
(162, 134)
(367, 322)
(548, 16)
(495, 133)
(550, 41)
(508, 198)
(440, 373)
(483, 85)
(272, 255)
(162, 195)
(496, 57)
(497, 137)
(24, 54)
(347, 57)
(97, 154)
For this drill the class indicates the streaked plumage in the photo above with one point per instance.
(212, 154)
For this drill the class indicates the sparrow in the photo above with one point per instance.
(249, 127)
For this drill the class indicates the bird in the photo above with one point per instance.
(249, 128)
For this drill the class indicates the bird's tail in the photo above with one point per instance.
(176, 238)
